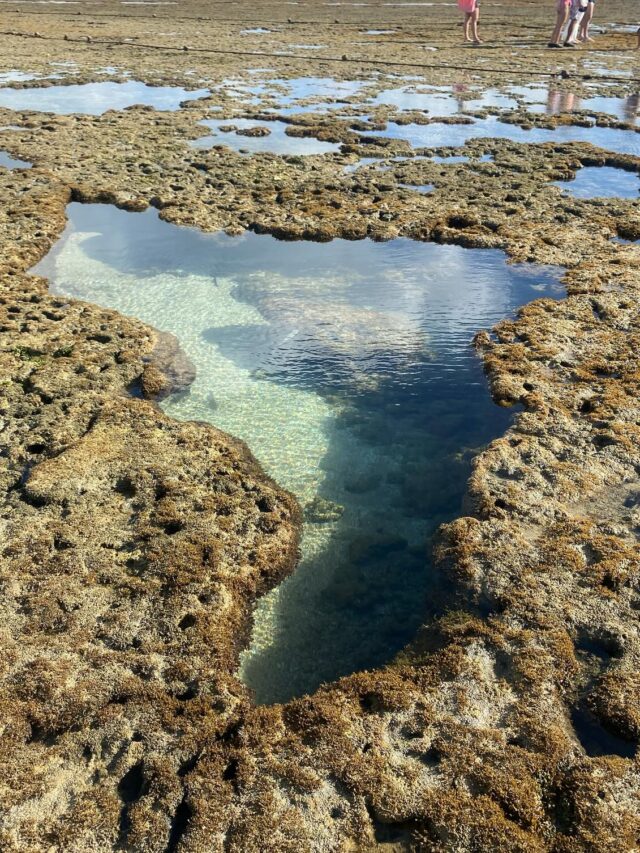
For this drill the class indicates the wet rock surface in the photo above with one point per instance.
(134, 546)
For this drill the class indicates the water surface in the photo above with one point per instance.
(348, 369)
(437, 134)
(277, 142)
(602, 182)
(97, 98)
(10, 162)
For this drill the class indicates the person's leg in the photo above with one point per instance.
(465, 27)
(561, 20)
(577, 13)
(583, 35)
(475, 17)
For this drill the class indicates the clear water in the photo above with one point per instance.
(97, 98)
(9, 162)
(456, 100)
(435, 135)
(348, 369)
(365, 161)
(277, 142)
(556, 103)
(602, 182)
(460, 158)
(419, 188)
(324, 90)
(16, 77)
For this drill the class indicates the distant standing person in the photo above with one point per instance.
(578, 9)
(583, 33)
(562, 13)
(471, 9)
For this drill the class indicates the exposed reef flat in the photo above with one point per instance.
(134, 546)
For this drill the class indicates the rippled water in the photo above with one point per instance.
(97, 98)
(602, 182)
(348, 369)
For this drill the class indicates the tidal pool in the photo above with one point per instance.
(97, 98)
(602, 182)
(438, 134)
(443, 101)
(625, 109)
(277, 141)
(348, 369)
(10, 162)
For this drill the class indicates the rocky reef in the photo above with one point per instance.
(134, 547)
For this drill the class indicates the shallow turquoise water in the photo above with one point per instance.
(96, 98)
(348, 369)
(602, 182)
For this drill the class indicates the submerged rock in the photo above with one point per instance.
(322, 511)
(168, 368)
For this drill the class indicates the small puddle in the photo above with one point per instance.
(276, 142)
(366, 161)
(348, 369)
(461, 158)
(601, 182)
(16, 77)
(418, 188)
(437, 134)
(97, 98)
(9, 162)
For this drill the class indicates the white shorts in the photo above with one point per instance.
(578, 8)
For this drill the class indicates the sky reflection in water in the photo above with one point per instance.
(348, 369)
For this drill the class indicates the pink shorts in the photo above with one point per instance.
(561, 5)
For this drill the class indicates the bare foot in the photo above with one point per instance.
(477, 41)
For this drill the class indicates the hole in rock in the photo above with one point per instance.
(596, 739)
(179, 825)
(131, 786)
(125, 487)
(348, 368)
